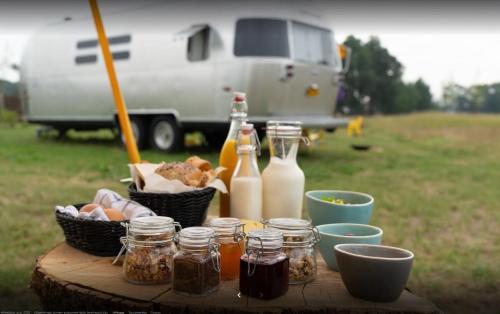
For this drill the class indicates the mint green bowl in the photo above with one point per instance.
(358, 211)
(343, 233)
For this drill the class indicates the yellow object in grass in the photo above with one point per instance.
(355, 127)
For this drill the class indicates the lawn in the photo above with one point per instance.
(435, 178)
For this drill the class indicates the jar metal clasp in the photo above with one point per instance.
(213, 249)
(123, 241)
(317, 235)
(238, 235)
(306, 140)
(259, 252)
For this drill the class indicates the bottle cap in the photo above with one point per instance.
(247, 139)
(246, 128)
(239, 105)
(239, 97)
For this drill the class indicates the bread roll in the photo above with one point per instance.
(184, 172)
(114, 214)
(199, 163)
(88, 208)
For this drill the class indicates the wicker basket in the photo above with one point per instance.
(187, 208)
(101, 238)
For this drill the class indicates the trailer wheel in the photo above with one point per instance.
(166, 135)
(140, 132)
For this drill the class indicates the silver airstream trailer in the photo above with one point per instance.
(178, 65)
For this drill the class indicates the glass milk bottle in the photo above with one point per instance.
(228, 157)
(246, 183)
(283, 180)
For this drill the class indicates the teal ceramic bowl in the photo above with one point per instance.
(333, 234)
(358, 211)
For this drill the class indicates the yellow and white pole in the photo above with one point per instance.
(133, 153)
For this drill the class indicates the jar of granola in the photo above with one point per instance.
(299, 240)
(150, 249)
(197, 264)
(230, 235)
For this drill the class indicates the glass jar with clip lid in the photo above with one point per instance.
(283, 180)
(150, 249)
(197, 264)
(230, 235)
(299, 241)
(264, 266)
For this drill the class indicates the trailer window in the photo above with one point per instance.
(312, 44)
(197, 49)
(261, 37)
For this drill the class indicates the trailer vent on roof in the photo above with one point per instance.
(89, 44)
(86, 44)
(113, 40)
(86, 59)
(121, 55)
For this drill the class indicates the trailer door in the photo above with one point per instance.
(312, 88)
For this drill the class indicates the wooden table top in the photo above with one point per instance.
(65, 271)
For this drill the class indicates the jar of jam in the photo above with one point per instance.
(197, 264)
(150, 249)
(299, 241)
(230, 235)
(264, 266)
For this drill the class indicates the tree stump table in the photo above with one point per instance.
(70, 280)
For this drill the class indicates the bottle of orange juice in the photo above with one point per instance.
(228, 156)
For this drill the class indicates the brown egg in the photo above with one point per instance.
(114, 214)
(88, 208)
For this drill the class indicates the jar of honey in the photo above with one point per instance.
(299, 241)
(229, 232)
(197, 263)
(264, 266)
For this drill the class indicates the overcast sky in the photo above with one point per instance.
(439, 41)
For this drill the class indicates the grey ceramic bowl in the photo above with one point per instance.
(358, 211)
(374, 272)
(333, 234)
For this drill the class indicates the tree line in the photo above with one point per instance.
(374, 85)
(476, 98)
(374, 82)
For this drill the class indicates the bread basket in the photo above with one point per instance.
(187, 208)
(101, 238)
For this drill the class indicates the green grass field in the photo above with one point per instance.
(435, 179)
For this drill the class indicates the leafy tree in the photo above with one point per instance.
(492, 98)
(456, 97)
(405, 99)
(423, 96)
(374, 82)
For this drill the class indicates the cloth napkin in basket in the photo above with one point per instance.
(109, 199)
